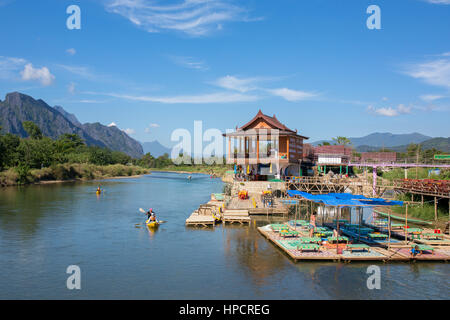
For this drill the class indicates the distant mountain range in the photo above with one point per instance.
(395, 142)
(442, 144)
(155, 148)
(55, 121)
(386, 140)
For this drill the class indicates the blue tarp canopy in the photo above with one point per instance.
(344, 199)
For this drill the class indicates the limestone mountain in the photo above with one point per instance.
(55, 121)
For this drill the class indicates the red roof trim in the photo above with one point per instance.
(270, 120)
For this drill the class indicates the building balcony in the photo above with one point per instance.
(264, 158)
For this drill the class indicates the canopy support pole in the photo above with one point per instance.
(389, 226)
(337, 222)
(406, 224)
(374, 182)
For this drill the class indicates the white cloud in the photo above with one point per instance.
(9, 66)
(402, 109)
(83, 72)
(91, 101)
(71, 51)
(112, 124)
(193, 17)
(431, 97)
(71, 88)
(292, 95)
(12, 68)
(389, 111)
(189, 62)
(219, 97)
(435, 72)
(151, 127)
(42, 75)
(439, 1)
(244, 85)
(237, 84)
(129, 131)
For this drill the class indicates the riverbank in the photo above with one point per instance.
(68, 172)
(218, 171)
(414, 212)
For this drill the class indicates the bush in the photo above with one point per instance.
(8, 178)
(22, 173)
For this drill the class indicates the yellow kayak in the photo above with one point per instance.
(98, 192)
(152, 224)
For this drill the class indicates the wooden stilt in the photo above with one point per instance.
(435, 209)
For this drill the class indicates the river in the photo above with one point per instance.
(46, 228)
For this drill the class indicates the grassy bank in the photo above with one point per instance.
(415, 173)
(425, 212)
(64, 172)
(218, 170)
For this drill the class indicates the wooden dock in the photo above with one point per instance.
(197, 220)
(271, 211)
(207, 214)
(329, 252)
(236, 216)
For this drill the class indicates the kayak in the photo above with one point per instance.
(413, 221)
(98, 192)
(152, 224)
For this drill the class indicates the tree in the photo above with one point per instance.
(2, 153)
(36, 153)
(120, 157)
(68, 143)
(32, 130)
(100, 156)
(342, 141)
(10, 143)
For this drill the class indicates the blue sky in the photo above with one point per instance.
(154, 66)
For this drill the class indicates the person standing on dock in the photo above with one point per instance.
(312, 224)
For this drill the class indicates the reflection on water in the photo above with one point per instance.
(45, 228)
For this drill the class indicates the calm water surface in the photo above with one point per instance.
(46, 228)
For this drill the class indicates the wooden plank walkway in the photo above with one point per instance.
(236, 216)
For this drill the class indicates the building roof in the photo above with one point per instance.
(333, 150)
(272, 121)
(248, 129)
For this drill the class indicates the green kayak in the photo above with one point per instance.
(415, 221)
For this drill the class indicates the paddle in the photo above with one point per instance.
(143, 211)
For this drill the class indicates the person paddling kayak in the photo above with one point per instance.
(151, 215)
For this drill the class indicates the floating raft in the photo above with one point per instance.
(200, 220)
(236, 216)
(297, 250)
